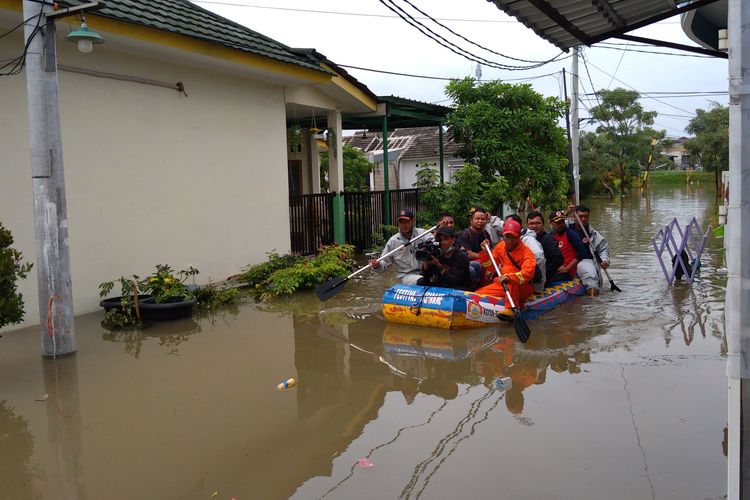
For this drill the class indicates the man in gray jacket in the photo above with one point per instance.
(408, 268)
(587, 269)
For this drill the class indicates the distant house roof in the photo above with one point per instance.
(416, 142)
(187, 19)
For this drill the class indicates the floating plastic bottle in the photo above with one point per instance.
(287, 384)
(503, 383)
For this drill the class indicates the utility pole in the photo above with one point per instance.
(48, 180)
(567, 131)
(574, 132)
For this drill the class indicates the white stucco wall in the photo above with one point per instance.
(153, 177)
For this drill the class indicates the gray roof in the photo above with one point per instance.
(418, 143)
(187, 19)
(568, 23)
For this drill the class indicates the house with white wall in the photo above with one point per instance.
(174, 138)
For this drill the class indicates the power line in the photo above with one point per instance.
(445, 78)
(356, 14)
(652, 52)
(445, 43)
(17, 63)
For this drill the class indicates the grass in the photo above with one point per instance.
(675, 177)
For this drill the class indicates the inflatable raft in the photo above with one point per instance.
(456, 309)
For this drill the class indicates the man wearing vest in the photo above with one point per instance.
(517, 264)
(571, 247)
(587, 270)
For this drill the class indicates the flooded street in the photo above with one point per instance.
(618, 397)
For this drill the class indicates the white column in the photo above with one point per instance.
(737, 235)
(312, 148)
(335, 153)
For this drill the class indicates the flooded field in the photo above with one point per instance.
(618, 397)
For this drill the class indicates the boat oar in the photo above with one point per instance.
(329, 288)
(519, 324)
(598, 258)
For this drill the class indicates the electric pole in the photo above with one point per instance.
(50, 212)
(574, 133)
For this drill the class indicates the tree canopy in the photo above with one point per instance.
(356, 170)
(511, 131)
(710, 146)
(625, 135)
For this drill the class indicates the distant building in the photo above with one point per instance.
(676, 152)
(408, 149)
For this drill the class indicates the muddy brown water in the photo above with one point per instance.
(618, 397)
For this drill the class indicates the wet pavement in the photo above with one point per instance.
(618, 397)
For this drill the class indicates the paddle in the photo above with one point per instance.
(598, 258)
(329, 288)
(522, 329)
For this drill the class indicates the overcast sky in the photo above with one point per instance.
(376, 38)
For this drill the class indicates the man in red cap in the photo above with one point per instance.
(517, 263)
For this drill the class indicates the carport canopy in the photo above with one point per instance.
(569, 23)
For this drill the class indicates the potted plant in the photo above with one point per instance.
(170, 297)
(122, 312)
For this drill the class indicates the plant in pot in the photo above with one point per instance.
(122, 312)
(170, 297)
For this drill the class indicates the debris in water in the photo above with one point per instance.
(287, 384)
(43, 398)
(364, 463)
(215, 493)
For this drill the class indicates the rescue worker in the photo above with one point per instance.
(587, 270)
(408, 268)
(553, 258)
(571, 246)
(529, 239)
(516, 263)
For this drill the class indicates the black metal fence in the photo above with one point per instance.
(311, 222)
(311, 217)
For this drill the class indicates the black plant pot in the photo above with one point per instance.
(166, 311)
(114, 302)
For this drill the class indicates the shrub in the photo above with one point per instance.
(12, 269)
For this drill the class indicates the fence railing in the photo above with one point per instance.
(311, 217)
(311, 222)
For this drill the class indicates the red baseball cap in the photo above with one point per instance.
(512, 227)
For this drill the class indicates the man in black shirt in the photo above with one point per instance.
(552, 255)
(451, 268)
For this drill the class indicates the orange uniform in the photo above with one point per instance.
(520, 284)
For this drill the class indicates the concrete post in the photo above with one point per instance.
(51, 220)
(574, 132)
(737, 236)
(336, 173)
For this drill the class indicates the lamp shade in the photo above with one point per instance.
(84, 37)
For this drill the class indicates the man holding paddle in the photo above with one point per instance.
(596, 245)
(516, 263)
(408, 268)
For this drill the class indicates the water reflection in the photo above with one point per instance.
(64, 426)
(169, 334)
(17, 468)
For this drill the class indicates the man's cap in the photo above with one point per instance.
(446, 231)
(405, 213)
(476, 209)
(557, 216)
(512, 227)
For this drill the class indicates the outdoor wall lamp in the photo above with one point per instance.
(84, 37)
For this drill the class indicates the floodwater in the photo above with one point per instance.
(618, 397)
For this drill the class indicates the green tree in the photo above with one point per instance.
(356, 170)
(467, 188)
(12, 269)
(710, 146)
(624, 123)
(512, 131)
(597, 164)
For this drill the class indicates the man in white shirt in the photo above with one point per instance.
(408, 268)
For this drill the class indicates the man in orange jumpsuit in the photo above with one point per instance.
(516, 262)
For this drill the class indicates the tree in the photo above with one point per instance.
(356, 170)
(12, 269)
(710, 146)
(512, 131)
(597, 164)
(624, 123)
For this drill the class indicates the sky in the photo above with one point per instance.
(365, 33)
